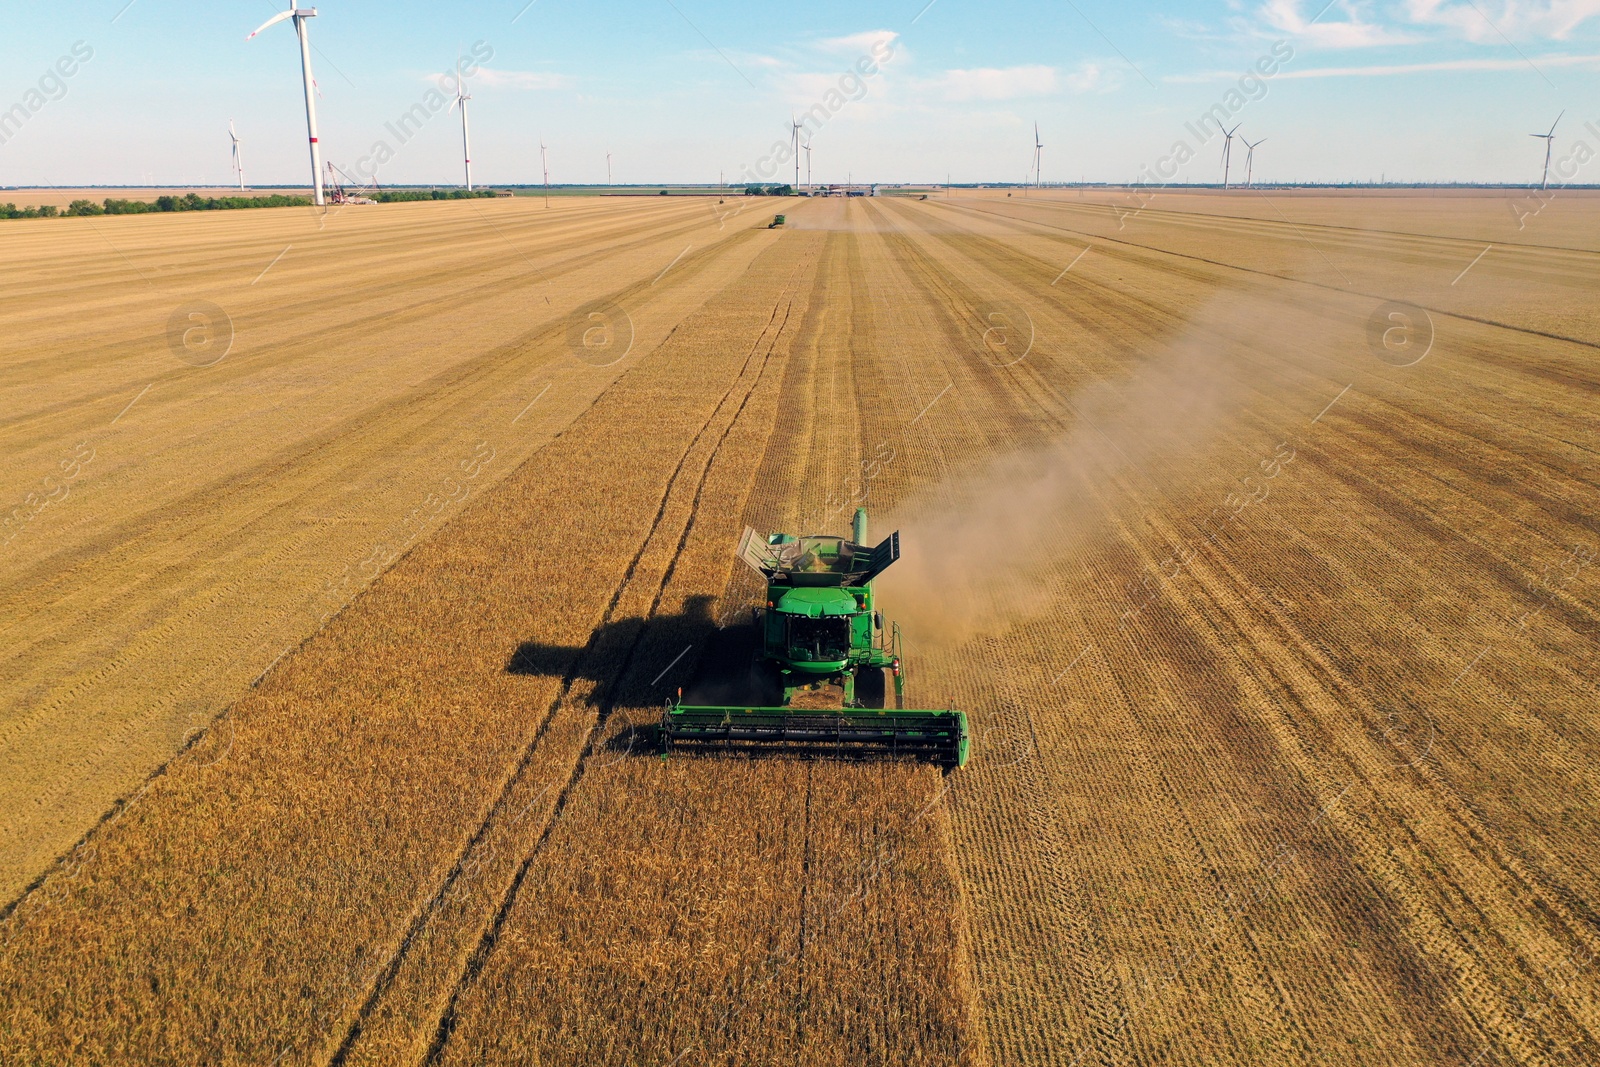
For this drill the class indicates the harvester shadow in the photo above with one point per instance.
(712, 664)
(717, 667)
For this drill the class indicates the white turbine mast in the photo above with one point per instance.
(1549, 142)
(238, 160)
(1249, 160)
(1038, 157)
(608, 168)
(807, 147)
(1227, 152)
(544, 162)
(299, 15)
(794, 145)
(466, 139)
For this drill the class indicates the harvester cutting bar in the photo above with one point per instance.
(937, 736)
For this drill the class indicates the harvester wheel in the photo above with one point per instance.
(870, 689)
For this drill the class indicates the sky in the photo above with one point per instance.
(699, 91)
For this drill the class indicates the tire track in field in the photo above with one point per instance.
(1545, 903)
(1275, 229)
(1073, 941)
(1277, 1015)
(1377, 298)
(473, 965)
(331, 333)
(473, 385)
(486, 946)
(1529, 883)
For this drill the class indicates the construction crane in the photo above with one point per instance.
(825, 653)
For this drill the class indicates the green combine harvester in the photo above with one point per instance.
(825, 649)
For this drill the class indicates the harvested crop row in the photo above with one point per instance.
(308, 835)
(751, 911)
(231, 508)
(1245, 836)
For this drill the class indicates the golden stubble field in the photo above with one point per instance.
(1274, 607)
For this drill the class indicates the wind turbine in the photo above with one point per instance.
(1038, 156)
(544, 162)
(807, 147)
(1227, 152)
(608, 168)
(794, 145)
(238, 160)
(299, 15)
(1549, 142)
(461, 102)
(1249, 159)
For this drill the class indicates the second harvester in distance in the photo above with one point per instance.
(821, 634)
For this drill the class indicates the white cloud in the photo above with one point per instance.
(1320, 28)
(1365, 24)
(1385, 70)
(1484, 20)
(859, 44)
(997, 83)
(1446, 65)
(510, 79)
(1092, 77)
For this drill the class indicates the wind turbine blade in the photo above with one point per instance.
(1552, 132)
(273, 21)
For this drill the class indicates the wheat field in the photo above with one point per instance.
(1255, 534)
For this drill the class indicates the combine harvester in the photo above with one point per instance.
(825, 648)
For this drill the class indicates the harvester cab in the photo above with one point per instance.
(826, 655)
(820, 626)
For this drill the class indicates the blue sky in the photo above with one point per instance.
(678, 90)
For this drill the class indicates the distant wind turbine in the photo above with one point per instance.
(1227, 152)
(1549, 142)
(466, 139)
(608, 168)
(807, 147)
(794, 145)
(238, 160)
(544, 162)
(1249, 159)
(299, 15)
(1038, 156)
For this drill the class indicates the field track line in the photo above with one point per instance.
(1325, 227)
(480, 955)
(317, 338)
(1447, 313)
(486, 946)
(390, 420)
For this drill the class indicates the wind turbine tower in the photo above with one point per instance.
(1549, 142)
(807, 147)
(1038, 157)
(1249, 160)
(544, 163)
(608, 168)
(299, 15)
(466, 139)
(1227, 152)
(794, 145)
(238, 160)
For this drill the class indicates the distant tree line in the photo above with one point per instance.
(769, 190)
(392, 196)
(196, 202)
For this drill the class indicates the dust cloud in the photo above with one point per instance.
(981, 549)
